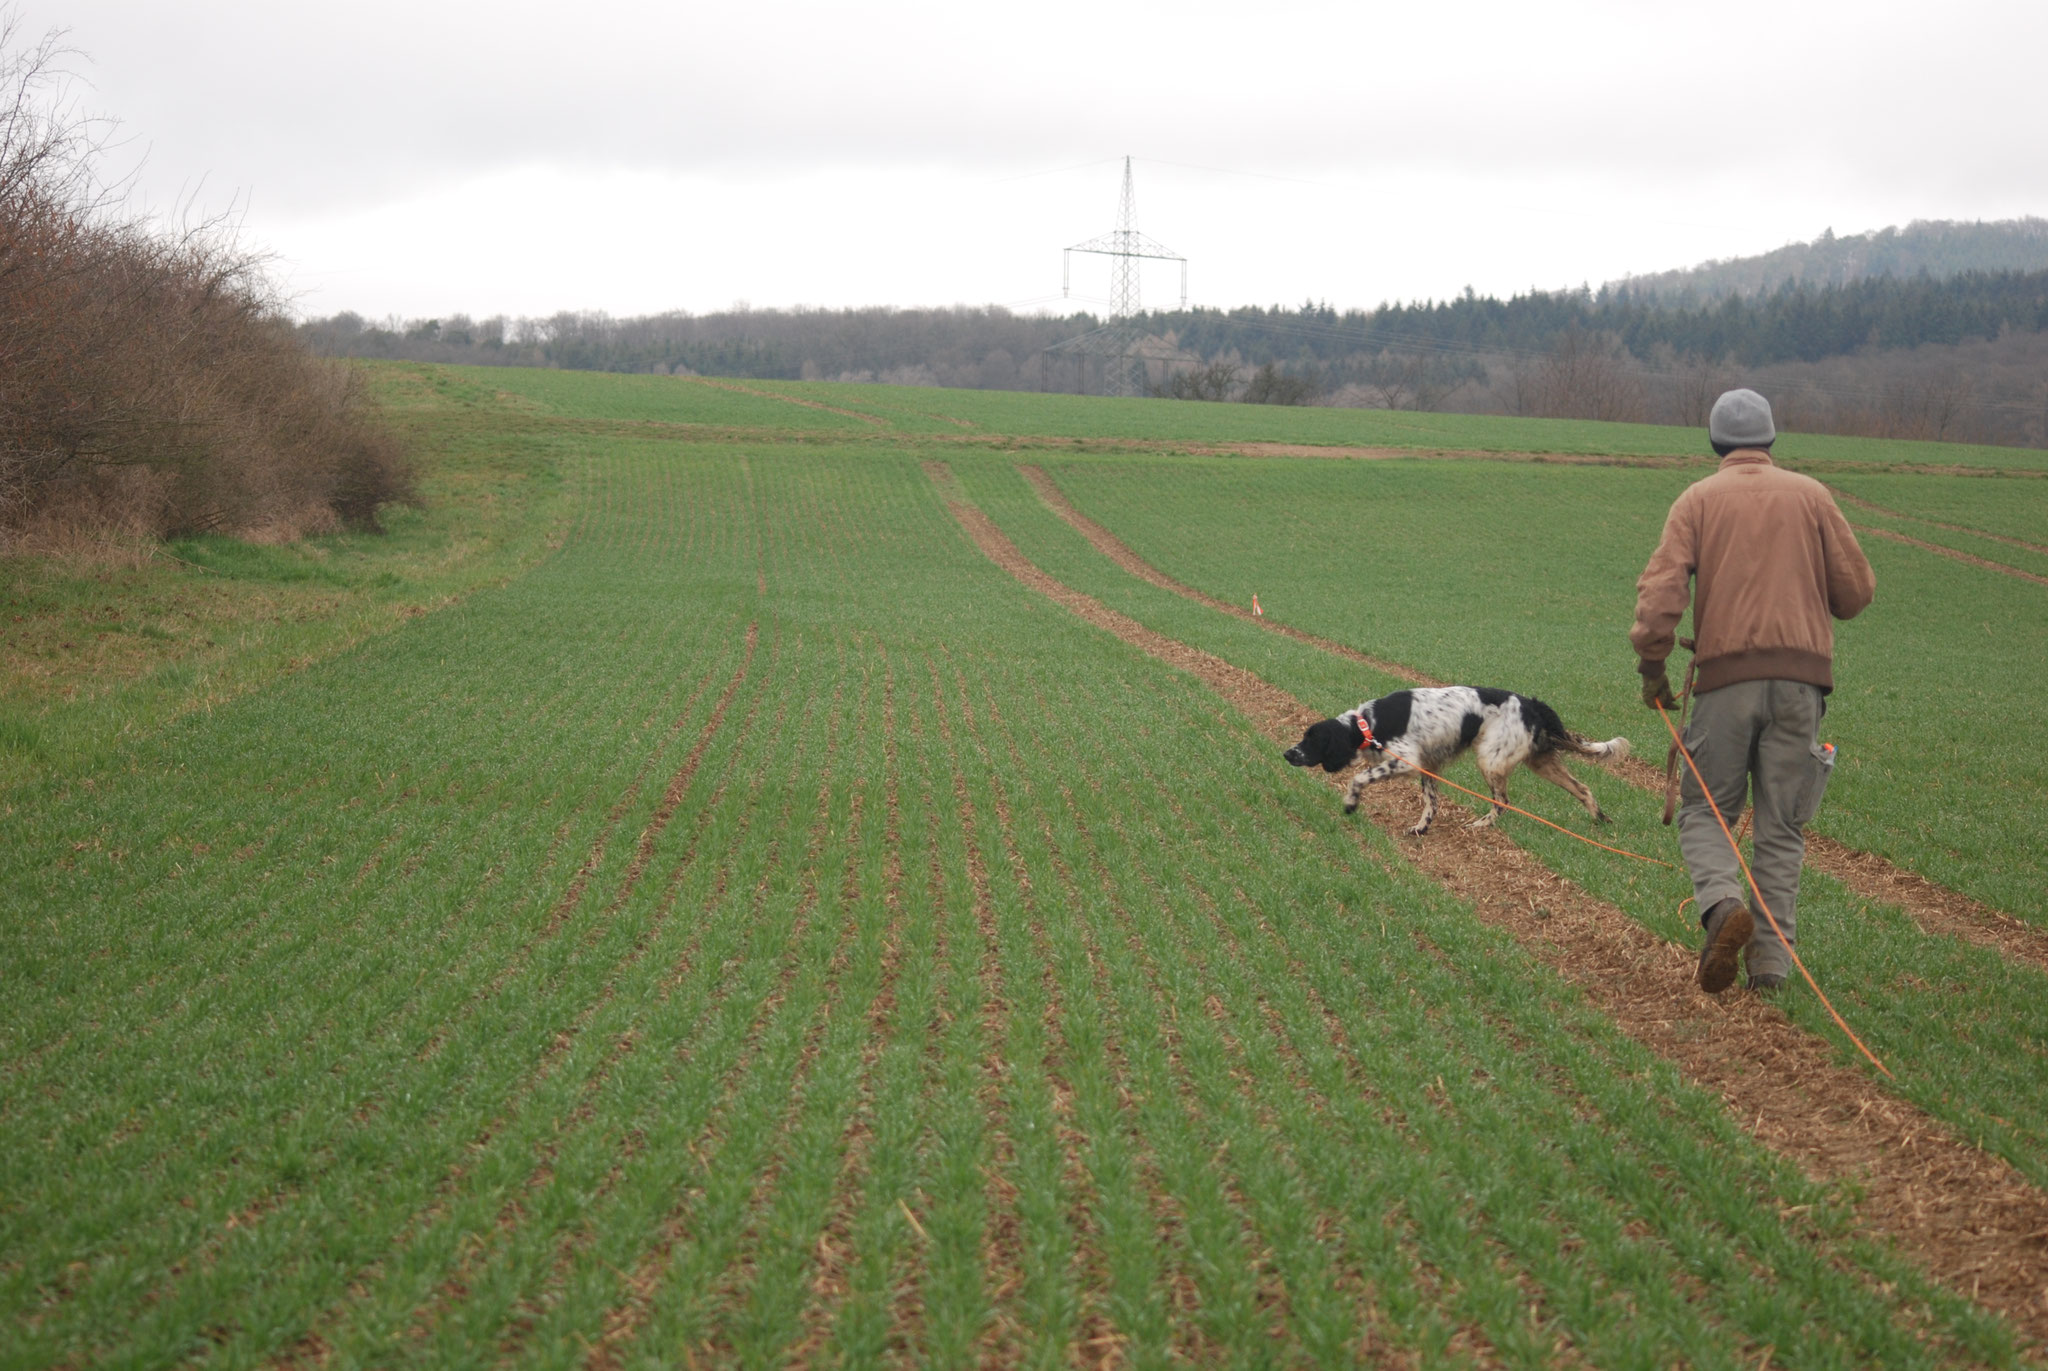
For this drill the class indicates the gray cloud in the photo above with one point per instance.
(324, 106)
(1604, 113)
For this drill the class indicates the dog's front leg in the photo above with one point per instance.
(1393, 766)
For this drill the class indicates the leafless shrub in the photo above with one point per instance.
(1271, 386)
(1587, 376)
(1685, 385)
(1417, 380)
(1215, 381)
(149, 381)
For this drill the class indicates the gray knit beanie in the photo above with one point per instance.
(1742, 418)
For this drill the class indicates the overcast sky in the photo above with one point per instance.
(424, 157)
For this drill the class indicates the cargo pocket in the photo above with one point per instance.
(1820, 769)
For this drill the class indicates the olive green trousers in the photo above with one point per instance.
(1755, 742)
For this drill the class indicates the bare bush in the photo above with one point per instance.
(1587, 376)
(1215, 381)
(1271, 386)
(150, 381)
(1687, 385)
(1418, 380)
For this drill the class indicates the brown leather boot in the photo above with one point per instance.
(1728, 926)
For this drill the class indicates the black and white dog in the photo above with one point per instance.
(1428, 727)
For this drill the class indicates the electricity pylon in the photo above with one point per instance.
(1116, 342)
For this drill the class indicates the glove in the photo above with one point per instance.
(1657, 687)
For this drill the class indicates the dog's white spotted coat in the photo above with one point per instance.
(1435, 734)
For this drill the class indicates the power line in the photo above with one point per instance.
(1233, 171)
(1050, 171)
(1118, 341)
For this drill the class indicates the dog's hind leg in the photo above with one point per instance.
(1498, 751)
(1497, 782)
(1429, 794)
(1551, 768)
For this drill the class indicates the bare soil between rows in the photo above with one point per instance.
(1935, 909)
(1972, 1221)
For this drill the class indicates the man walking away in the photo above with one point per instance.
(1770, 561)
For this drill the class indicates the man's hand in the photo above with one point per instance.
(1657, 687)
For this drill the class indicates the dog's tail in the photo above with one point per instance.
(1614, 749)
(1552, 735)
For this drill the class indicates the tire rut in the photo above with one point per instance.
(1873, 507)
(1968, 559)
(1119, 552)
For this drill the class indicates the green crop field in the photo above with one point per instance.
(721, 917)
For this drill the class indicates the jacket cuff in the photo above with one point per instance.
(1647, 667)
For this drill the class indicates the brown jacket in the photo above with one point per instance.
(1773, 559)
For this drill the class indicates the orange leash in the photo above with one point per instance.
(1620, 852)
(1747, 874)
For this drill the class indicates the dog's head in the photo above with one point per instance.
(1331, 745)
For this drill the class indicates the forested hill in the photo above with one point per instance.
(1936, 247)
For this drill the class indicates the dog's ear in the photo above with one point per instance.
(1336, 743)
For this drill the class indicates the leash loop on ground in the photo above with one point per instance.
(1721, 819)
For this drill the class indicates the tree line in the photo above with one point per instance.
(1793, 323)
(1618, 352)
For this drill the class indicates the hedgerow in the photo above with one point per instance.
(150, 381)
